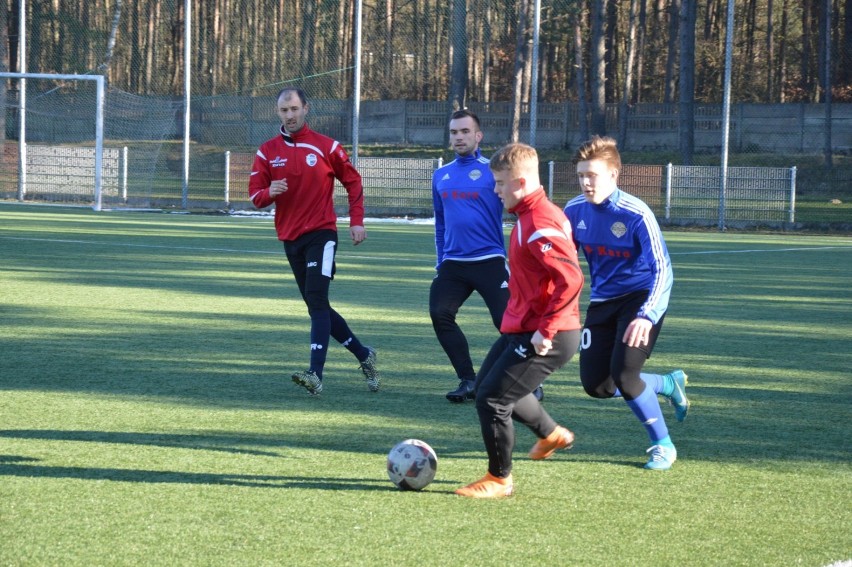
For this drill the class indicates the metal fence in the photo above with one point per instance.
(678, 195)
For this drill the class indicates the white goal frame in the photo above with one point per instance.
(99, 128)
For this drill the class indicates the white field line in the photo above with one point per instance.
(760, 250)
(361, 257)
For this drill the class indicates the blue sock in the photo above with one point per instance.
(320, 331)
(646, 407)
(342, 334)
(661, 384)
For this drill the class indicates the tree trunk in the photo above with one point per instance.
(518, 75)
(4, 68)
(486, 87)
(111, 42)
(770, 49)
(528, 53)
(671, 59)
(687, 81)
(640, 59)
(597, 47)
(582, 107)
(458, 71)
(628, 76)
(387, 55)
(611, 51)
(845, 67)
(782, 54)
(806, 63)
(308, 39)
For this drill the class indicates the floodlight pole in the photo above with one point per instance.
(186, 99)
(726, 113)
(534, 74)
(827, 84)
(22, 100)
(356, 84)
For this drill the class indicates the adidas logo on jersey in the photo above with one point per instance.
(581, 225)
(504, 285)
(445, 177)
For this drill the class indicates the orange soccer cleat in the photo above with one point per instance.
(560, 438)
(488, 486)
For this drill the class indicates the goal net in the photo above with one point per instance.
(71, 139)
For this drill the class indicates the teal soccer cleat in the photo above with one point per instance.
(678, 397)
(662, 458)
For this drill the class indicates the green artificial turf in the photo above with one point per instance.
(147, 416)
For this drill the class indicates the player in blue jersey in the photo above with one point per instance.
(631, 280)
(471, 251)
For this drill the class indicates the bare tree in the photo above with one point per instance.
(597, 48)
(113, 32)
(770, 48)
(845, 66)
(4, 67)
(640, 48)
(388, 49)
(671, 57)
(686, 91)
(782, 54)
(628, 75)
(579, 66)
(458, 72)
(521, 56)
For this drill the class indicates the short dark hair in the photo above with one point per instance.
(299, 93)
(465, 113)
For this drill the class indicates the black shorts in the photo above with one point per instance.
(311, 257)
(603, 354)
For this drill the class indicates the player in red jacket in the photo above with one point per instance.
(295, 171)
(540, 331)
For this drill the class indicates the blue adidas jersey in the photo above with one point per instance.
(625, 250)
(468, 214)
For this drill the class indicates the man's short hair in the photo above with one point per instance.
(465, 113)
(299, 93)
(512, 157)
(599, 147)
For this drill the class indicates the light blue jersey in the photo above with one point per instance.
(468, 214)
(625, 250)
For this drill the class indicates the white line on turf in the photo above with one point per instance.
(362, 257)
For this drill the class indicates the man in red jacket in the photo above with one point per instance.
(540, 331)
(295, 171)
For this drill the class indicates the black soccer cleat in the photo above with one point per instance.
(464, 392)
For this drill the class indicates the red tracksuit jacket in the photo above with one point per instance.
(309, 162)
(546, 279)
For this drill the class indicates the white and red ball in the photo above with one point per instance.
(412, 464)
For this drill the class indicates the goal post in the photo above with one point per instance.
(99, 129)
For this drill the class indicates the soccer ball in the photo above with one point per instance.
(412, 464)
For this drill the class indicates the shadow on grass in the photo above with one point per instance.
(221, 443)
(15, 465)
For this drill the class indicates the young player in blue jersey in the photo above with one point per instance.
(471, 251)
(631, 280)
